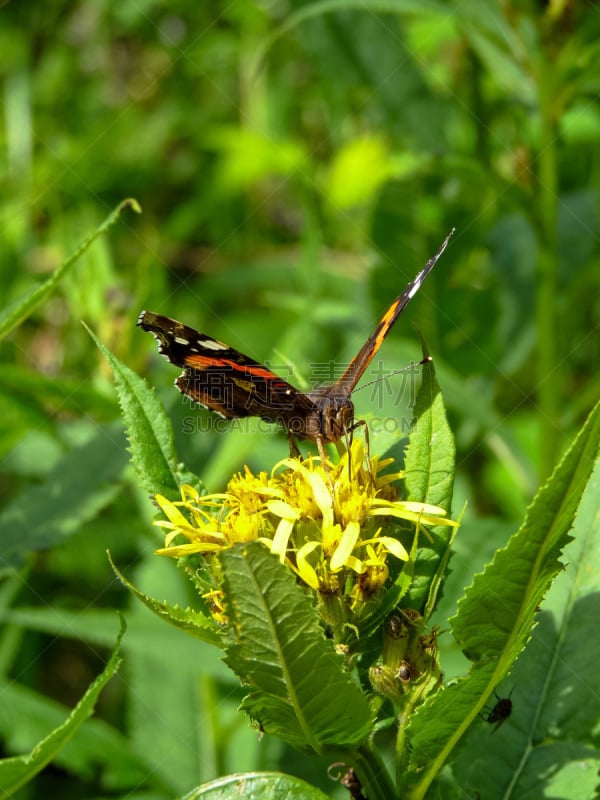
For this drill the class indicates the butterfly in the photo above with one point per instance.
(233, 385)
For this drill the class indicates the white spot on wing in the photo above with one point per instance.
(181, 340)
(212, 344)
(416, 285)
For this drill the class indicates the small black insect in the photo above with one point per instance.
(500, 712)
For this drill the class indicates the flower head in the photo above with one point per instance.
(330, 523)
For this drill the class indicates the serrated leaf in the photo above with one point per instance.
(276, 716)
(79, 486)
(26, 716)
(148, 428)
(429, 478)
(429, 462)
(13, 315)
(186, 619)
(16, 772)
(163, 672)
(280, 650)
(510, 589)
(266, 785)
(553, 686)
(54, 392)
(495, 617)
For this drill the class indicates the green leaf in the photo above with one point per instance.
(13, 315)
(429, 478)
(429, 462)
(54, 392)
(98, 748)
(498, 45)
(16, 772)
(555, 702)
(148, 428)
(301, 691)
(171, 712)
(266, 785)
(521, 572)
(79, 486)
(311, 10)
(186, 619)
(165, 671)
(495, 617)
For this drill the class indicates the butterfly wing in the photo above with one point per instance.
(347, 382)
(221, 378)
(234, 385)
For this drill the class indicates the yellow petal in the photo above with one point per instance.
(390, 477)
(185, 529)
(188, 549)
(393, 546)
(347, 544)
(201, 515)
(356, 565)
(281, 538)
(321, 493)
(373, 558)
(189, 493)
(170, 537)
(306, 570)
(424, 508)
(269, 491)
(283, 509)
(171, 512)
(411, 516)
(410, 505)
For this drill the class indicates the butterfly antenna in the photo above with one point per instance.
(425, 360)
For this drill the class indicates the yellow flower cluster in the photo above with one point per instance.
(319, 519)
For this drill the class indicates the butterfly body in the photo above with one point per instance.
(234, 385)
(331, 416)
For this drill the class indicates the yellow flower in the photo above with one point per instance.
(323, 520)
(214, 601)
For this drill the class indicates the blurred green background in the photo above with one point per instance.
(297, 163)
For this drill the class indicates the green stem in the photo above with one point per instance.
(375, 780)
(402, 742)
(548, 357)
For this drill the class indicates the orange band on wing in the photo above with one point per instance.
(201, 362)
(385, 323)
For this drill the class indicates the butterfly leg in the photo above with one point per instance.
(367, 446)
(361, 423)
(294, 450)
(323, 458)
(348, 432)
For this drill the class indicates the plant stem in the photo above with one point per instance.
(548, 376)
(402, 743)
(375, 780)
